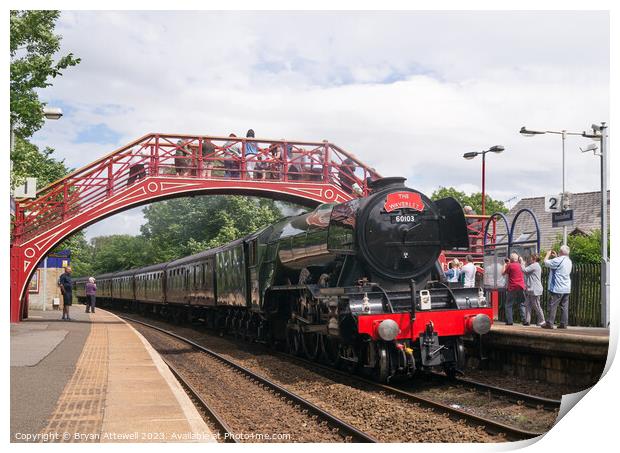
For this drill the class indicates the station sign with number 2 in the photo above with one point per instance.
(553, 203)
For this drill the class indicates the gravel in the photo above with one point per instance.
(382, 415)
(254, 413)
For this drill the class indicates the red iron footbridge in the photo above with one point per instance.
(160, 166)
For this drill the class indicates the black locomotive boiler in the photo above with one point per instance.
(354, 283)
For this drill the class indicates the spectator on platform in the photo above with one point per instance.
(515, 288)
(232, 153)
(533, 289)
(66, 288)
(559, 285)
(91, 293)
(251, 153)
(453, 272)
(468, 210)
(468, 272)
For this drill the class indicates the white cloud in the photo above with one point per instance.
(408, 93)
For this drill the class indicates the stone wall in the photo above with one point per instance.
(561, 360)
(51, 290)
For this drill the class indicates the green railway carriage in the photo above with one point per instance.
(357, 281)
(149, 284)
(190, 280)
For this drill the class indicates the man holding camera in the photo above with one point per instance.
(559, 285)
(516, 286)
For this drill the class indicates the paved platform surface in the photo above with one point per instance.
(94, 379)
(576, 341)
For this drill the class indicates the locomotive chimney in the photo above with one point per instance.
(389, 182)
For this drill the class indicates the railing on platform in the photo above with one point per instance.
(184, 156)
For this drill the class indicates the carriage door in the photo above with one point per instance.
(252, 277)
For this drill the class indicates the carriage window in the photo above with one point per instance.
(252, 253)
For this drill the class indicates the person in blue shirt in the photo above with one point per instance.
(453, 272)
(251, 155)
(559, 285)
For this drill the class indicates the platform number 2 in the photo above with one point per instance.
(552, 203)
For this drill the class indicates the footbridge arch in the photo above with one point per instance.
(160, 166)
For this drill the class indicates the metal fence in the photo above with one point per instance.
(584, 307)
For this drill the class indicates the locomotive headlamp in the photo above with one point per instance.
(481, 324)
(388, 329)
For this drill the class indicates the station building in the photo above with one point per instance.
(586, 214)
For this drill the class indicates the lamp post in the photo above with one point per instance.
(531, 133)
(51, 113)
(471, 155)
(600, 132)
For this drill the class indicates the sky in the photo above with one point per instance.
(407, 92)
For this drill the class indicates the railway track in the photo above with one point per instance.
(490, 425)
(510, 395)
(226, 433)
(347, 431)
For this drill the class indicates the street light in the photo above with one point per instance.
(531, 133)
(493, 149)
(52, 113)
(600, 133)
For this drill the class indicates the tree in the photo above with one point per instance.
(81, 254)
(33, 46)
(584, 248)
(183, 226)
(175, 228)
(118, 252)
(28, 160)
(474, 200)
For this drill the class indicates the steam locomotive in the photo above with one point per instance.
(356, 283)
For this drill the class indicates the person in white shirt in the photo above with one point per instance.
(469, 272)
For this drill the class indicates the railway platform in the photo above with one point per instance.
(94, 379)
(575, 355)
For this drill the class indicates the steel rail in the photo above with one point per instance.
(511, 395)
(343, 426)
(493, 426)
(221, 424)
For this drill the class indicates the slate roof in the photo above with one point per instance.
(587, 216)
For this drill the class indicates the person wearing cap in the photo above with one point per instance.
(91, 293)
(66, 288)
